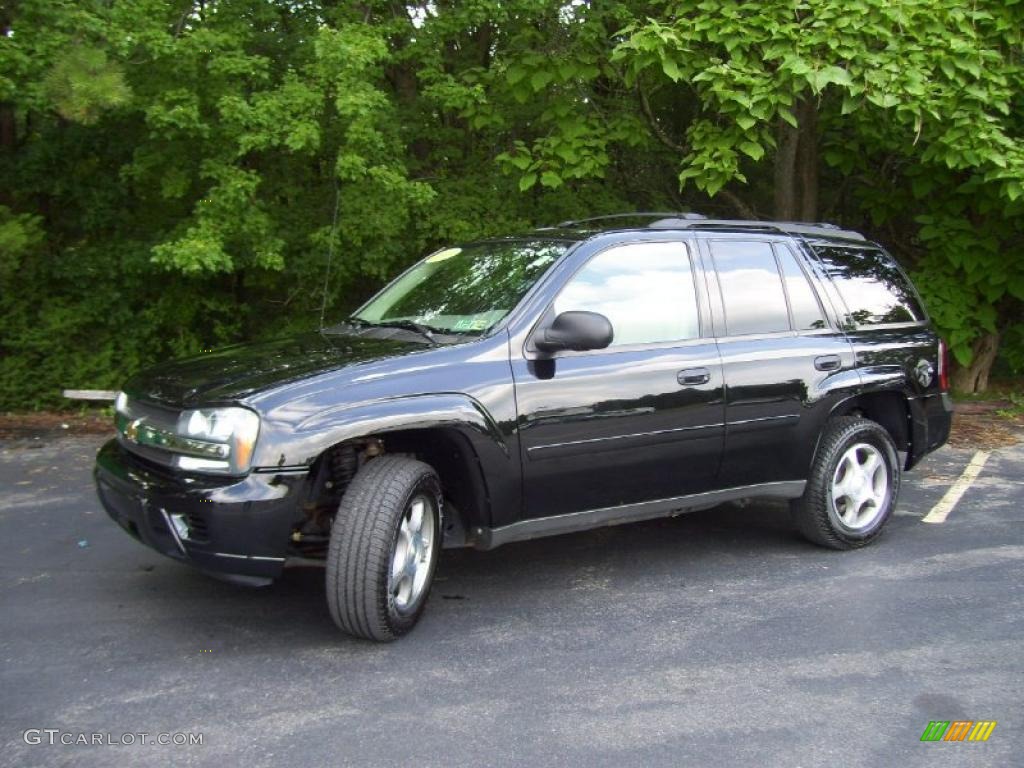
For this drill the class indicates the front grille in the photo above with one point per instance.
(159, 416)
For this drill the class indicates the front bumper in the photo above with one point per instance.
(234, 526)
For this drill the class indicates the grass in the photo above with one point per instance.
(1016, 408)
(1000, 389)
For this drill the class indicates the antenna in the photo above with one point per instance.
(330, 249)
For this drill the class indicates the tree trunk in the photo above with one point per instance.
(973, 378)
(796, 165)
(8, 124)
(807, 160)
(8, 143)
(8, 129)
(785, 167)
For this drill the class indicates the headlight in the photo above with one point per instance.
(217, 439)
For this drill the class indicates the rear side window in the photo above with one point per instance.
(751, 287)
(872, 285)
(807, 314)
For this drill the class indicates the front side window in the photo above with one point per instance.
(645, 290)
(463, 290)
(751, 287)
(871, 284)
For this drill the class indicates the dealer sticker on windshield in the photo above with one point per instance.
(447, 253)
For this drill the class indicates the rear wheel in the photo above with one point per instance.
(853, 486)
(384, 548)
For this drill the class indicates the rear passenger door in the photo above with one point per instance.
(781, 352)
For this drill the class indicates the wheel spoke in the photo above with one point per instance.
(398, 560)
(851, 512)
(845, 467)
(876, 496)
(403, 590)
(865, 512)
(841, 490)
(418, 580)
(871, 465)
(416, 515)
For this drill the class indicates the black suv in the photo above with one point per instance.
(581, 375)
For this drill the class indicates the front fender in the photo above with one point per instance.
(291, 443)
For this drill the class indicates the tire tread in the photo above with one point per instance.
(809, 512)
(359, 553)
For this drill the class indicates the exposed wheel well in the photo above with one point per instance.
(451, 455)
(888, 409)
(447, 450)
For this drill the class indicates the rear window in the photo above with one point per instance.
(873, 287)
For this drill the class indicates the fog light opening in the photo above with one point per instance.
(178, 526)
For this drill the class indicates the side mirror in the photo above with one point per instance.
(578, 331)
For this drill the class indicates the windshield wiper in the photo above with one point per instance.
(408, 325)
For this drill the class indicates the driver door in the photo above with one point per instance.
(641, 420)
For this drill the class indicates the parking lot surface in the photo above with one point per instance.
(714, 638)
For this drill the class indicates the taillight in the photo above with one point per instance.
(943, 366)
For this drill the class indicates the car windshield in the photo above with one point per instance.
(463, 290)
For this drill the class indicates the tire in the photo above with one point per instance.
(853, 485)
(373, 534)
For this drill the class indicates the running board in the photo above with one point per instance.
(489, 538)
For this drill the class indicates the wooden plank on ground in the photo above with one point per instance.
(90, 394)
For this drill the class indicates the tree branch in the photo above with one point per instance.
(658, 131)
(742, 208)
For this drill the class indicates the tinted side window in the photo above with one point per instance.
(803, 304)
(645, 289)
(873, 287)
(751, 287)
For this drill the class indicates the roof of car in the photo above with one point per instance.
(579, 229)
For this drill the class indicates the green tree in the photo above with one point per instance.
(915, 104)
(175, 173)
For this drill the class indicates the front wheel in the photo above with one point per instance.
(384, 547)
(853, 486)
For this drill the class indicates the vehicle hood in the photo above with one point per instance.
(233, 373)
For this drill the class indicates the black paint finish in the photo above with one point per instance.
(562, 438)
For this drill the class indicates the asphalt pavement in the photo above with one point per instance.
(717, 638)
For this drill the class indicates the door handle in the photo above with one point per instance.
(828, 362)
(691, 376)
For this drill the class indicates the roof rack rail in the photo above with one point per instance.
(569, 223)
(789, 227)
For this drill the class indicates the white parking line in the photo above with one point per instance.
(941, 511)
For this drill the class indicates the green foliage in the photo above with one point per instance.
(967, 276)
(83, 83)
(919, 102)
(914, 72)
(19, 235)
(176, 173)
